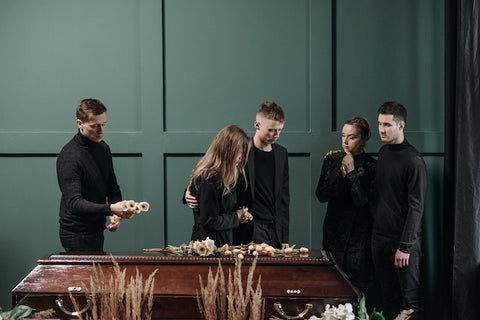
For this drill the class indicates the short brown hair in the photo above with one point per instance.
(394, 108)
(89, 106)
(272, 111)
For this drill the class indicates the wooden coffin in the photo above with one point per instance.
(292, 283)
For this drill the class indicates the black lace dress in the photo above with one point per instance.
(347, 227)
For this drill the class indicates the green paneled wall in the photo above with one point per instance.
(237, 64)
(391, 50)
(173, 72)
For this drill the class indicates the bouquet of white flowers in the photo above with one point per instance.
(345, 312)
(342, 312)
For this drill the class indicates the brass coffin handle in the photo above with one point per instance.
(59, 302)
(279, 308)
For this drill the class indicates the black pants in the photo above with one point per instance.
(81, 242)
(265, 232)
(401, 287)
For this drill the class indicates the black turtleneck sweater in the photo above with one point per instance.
(88, 184)
(400, 186)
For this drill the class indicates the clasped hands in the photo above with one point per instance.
(347, 164)
(243, 215)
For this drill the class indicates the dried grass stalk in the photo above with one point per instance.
(228, 301)
(116, 299)
(44, 314)
(208, 303)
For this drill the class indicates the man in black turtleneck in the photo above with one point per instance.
(90, 192)
(400, 186)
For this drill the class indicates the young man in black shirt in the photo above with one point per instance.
(267, 196)
(90, 192)
(400, 186)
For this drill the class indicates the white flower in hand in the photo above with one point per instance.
(144, 206)
(114, 223)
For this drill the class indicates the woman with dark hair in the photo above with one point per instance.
(213, 182)
(346, 182)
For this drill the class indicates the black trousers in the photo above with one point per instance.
(265, 232)
(82, 242)
(401, 287)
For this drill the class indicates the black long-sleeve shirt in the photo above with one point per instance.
(88, 184)
(400, 186)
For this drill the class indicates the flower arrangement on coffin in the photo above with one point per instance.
(206, 248)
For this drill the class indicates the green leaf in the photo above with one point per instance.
(19, 312)
(377, 315)
(362, 309)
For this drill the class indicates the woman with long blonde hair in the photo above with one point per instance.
(213, 182)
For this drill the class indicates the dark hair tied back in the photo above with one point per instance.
(362, 125)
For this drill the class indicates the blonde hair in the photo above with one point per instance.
(221, 157)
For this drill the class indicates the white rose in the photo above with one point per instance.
(201, 249)
(130, 204)
(144, 206)
(210, 246)
(137, 208)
